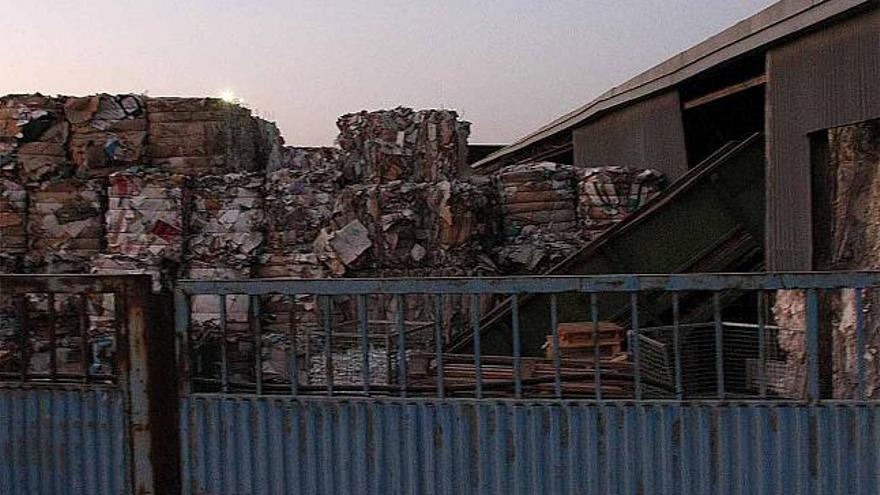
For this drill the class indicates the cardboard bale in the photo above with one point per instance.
(607, 195)
(33, 138)
(227, 221)
(13, 219)
(540, 217)
(466, 212)
(540, 194)
(107, 132)
(207, 136)
(315, 160)
(403, 144)
(145, 214)
(65, 225)
(299, 202)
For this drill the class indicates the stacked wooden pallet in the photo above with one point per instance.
(578, 340)
(538, 375)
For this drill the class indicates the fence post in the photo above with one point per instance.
(152, 410)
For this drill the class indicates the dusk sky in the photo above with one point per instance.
(508, 66)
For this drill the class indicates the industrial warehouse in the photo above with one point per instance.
(667, 290)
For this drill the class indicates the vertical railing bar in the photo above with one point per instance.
(401, 343)
(224, 360)
(475, 326)
(676, 343)
(438, 342)
(53, 330)
(84, 337)
(719, 344)
(308, 345)
(597, 352)
(389, 364)
(120, 309)
(24, 323)
(293, 347)
(762, 346)
(860, 343)
(517, 347)
(365, 341)
(557, 352)
(328, 344)
(634, 306)
(182, 327)
(812, 337)
(258, 338)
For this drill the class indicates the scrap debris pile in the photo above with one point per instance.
(198, 188)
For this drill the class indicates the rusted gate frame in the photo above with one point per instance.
(131, 359)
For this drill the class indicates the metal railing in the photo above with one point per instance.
(664, 315)
(65, 328)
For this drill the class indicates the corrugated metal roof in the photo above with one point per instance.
(780, 20)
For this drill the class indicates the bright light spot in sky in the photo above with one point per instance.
(228, 96)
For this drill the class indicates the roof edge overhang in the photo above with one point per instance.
(778, 21)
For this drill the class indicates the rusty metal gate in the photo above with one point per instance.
(313, 406)
(75, 408)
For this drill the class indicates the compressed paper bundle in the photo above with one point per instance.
(13, 216)
(145, 214)
(107, 133)
(466, 210)
(540, 194)
(315, 160)
(226, 221)
(33, 138)
(199, 136)
(540, 217)
(299, 202)
(403, 144)
(65, 225)
(606, 195)
(375, 226)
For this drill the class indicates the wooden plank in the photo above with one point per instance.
(725, 92)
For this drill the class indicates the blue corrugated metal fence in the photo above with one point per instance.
(56, 441)
(319, 446)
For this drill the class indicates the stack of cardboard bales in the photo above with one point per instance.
(298, 201)
(224, 240)
(607, 195)
(145, 225)
(65, 232)
(408, 209)
(540, 216)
